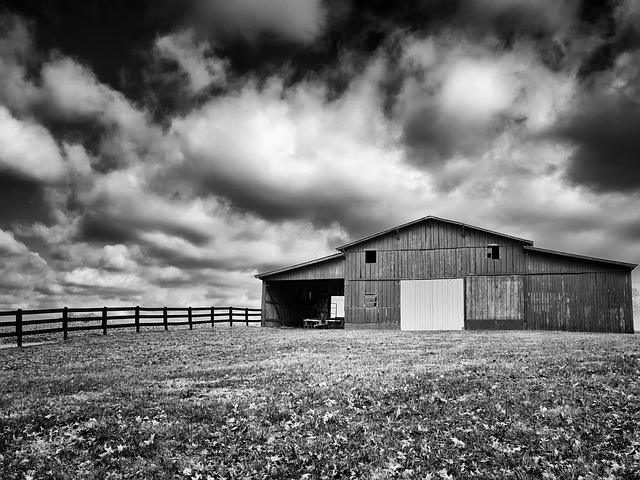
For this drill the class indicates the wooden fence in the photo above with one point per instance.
(103, 318)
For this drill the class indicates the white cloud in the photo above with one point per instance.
(476, 90)
(73, 91)
(29, 150)
(293, 154)
(92, 277)
(9, 245)
(118, 257)
(196, 59)
(78, 160)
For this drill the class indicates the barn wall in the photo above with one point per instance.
(433, 234)
(588, 302)
(495, 302)
(425, 250)
(425, 264)
(543, 262)
(387, 311)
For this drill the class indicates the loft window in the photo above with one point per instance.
(370, 300)
(369, 256)
(493, 252)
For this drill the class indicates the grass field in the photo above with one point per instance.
(283, 403)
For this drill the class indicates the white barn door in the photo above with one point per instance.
(432, 304)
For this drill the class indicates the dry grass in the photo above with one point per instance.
(281, 403)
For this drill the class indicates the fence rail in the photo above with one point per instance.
(98, 318)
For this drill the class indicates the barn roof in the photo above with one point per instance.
(580, 257)
(300, 265)
(424, 219)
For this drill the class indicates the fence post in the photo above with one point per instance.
(19, 326)
(104, 320)
(213, 314)
(65, 322)
(164, 318)
(137, 319)
(246, 315)
(190, 321)
(231, 316)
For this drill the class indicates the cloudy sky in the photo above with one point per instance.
(160, 152)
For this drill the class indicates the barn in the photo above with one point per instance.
(438, 274)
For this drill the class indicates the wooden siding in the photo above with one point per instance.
(433, 234)
(388, 307)
(433, 264)
(329, 269)
(273, 304)
(495, 302)
(543, 262)
(588, 302)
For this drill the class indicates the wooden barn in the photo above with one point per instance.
(437, 274)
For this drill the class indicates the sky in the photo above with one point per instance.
(159, 152)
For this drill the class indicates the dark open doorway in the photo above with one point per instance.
(289, 302)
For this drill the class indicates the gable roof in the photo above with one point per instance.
(342, 248)
(300, 265)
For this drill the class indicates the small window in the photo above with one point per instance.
(493, 252)
(370, 256)
(370, 300)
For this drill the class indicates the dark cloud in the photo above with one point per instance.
(22, 201)
(113, 229)
(430, 137)
(85, 30)
(630, 231)
(606, 135)
(322, 205)
(101, 231)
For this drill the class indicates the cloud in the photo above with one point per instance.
(120, 205)
(22, 272)
(71, 91)
(16, 53)
(295, 20)
(607, 140)
(28, 150)
(602, 126)
(523, 15)
(92, 280)
(291, 154)
(195, 58)
(9, 245)
(457, 98)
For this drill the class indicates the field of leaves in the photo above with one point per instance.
(304, 404)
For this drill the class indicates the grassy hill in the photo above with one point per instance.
(283, 403)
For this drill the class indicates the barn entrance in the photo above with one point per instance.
(432, 304)
(292, 301)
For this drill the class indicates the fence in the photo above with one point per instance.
(99, 318)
